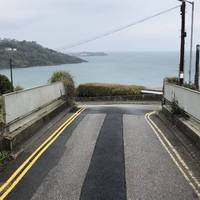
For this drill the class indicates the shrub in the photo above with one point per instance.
(5, 85)
(190, 86)
(67, 80)
(18, 88)
(3, 156)
(101, 89)
(1, 113)
(176, 110)
(172, 80)
(175, 80)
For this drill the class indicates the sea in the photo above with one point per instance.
(139, 68)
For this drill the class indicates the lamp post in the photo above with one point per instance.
(11, 50)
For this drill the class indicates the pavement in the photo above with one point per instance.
(108, 152)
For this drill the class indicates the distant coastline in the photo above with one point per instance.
(137, 68)
(82, 54)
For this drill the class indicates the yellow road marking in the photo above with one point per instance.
(34, 153)
(40, 150)
(176, 159)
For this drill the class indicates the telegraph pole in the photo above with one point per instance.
(197, 67)
(191, 42)
(182, 50)
(11, 73)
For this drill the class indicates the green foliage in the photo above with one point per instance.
(100, 89)
(1, 113)
(67, 79)
(172, 80)
(190, 86)
(18, 88)
(32, 54)
(3, 156)
(5, 85)
(176, 110)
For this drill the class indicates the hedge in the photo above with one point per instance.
(103, 89)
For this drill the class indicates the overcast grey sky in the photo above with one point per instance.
(58, 23)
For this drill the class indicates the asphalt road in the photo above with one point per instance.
(107, 153)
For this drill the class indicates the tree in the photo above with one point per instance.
(5, 85)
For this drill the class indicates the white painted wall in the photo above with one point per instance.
(22, 103)
(188, 100)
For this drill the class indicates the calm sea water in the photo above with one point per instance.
(141, 68)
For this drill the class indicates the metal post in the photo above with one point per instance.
(197, 66)
(191, 43)
(11, 73)
(182, 50)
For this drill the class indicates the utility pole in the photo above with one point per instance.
(197, 66)
(182, 50)
(191, 42)
(11, 73)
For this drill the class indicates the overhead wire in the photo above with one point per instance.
(118, 29)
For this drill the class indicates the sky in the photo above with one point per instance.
(60, 23)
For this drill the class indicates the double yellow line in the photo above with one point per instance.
(180, 163)
(14, 179)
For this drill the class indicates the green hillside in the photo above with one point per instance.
(30, 54)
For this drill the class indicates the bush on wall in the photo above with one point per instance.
(5, 85)
(68, 82)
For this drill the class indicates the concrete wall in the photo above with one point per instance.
(22, 103)
(188, 100)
